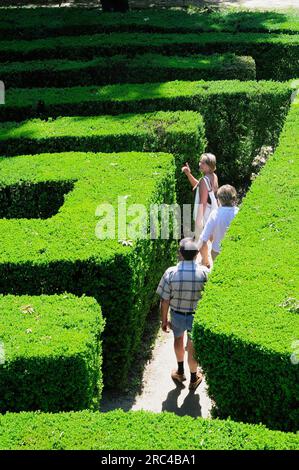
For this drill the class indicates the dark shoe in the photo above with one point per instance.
(193, 385)
(177, 377)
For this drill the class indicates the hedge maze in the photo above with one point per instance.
(276, 55)
(62, 254)
(123, 69)
(94, 111)
(50, 341)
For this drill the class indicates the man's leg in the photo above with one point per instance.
(178, 327)
(178, 374)
(179, 348)
(196, 376)
(193, 365)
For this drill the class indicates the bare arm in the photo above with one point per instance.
(203, 194)
(204, 251)
(186, 169)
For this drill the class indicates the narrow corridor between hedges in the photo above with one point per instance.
(159, 391)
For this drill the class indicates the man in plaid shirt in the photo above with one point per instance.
(180, 290)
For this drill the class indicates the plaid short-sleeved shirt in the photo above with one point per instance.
(182, 285)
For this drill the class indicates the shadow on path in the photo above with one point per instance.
(189, 407)
(126, 399)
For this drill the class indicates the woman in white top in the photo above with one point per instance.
(218, 222)
(206, 188)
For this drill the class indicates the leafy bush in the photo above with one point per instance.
(122, 69)
(52, 351)
(63, 254)
(42, 22)
(180, 133)
(239, 117)
(117, 430)
(276, 55)
(247, 321)
(43, 200)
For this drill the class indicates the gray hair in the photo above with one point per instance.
(188, 248)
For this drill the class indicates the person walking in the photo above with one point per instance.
(180, 290)
(218, 222)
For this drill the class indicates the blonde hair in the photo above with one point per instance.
(227, 195)
(209, 159)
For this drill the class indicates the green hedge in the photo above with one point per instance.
(276, 55)
(117, 430)
(247, 321)
(41, 22)
(52, 353)
(180, 133)
(239, 117)
(62, 253)
(43, 199)
(122, 69)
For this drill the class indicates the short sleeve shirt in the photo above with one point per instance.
(182, 285)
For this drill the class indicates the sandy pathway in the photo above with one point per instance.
(159, 391)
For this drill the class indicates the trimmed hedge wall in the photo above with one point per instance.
(63, 254)
(43, 200)
(117, 430)
(41, 22)
(122, 69)
(53, 353)
(239, 117)
(276, 55)
(180, 133)
(247, 321)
